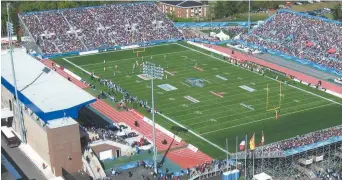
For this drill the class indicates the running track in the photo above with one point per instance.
(298, 75)
(182, 156)
(78, 83)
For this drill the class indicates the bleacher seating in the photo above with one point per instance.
(82, 29)
(301, 36)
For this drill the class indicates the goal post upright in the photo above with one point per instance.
(267, 98)
(138, 50)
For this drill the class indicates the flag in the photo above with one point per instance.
(243, 144)
(252, 142)
(262, 139)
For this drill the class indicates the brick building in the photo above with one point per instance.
(185, 9)
(49, 106)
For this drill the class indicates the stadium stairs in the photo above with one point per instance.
(78, 83)
(178, 153)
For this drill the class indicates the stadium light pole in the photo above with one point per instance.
(153, 71)
(10, 33)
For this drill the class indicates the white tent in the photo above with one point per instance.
(262, 176)
(222, 36)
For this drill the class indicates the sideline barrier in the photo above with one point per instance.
(72, 74)
(192, 148)
(208, 49)
(209, 42)
(88, 52)
(109, 48)
(162, 129)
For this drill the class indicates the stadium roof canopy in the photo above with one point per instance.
(43, 91)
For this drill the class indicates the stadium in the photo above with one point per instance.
(121, 91)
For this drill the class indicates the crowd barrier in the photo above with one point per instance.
(111, 48)
(207, 48)
(211, 24)
(198, 40)
(292, 58)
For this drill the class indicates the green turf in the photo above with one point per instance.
(214, 118)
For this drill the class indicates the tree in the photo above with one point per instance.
(337, 12)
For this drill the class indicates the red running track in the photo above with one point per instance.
(129, 119)
(298, 75)
(187, 158)
(78, 83)
(184, 157)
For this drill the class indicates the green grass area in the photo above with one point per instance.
(237, 113)
(313, 6)
(244, 17)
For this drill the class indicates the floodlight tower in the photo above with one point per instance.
(151, 70)
(10, 50)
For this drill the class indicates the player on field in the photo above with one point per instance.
(104, 68)
(104, 61)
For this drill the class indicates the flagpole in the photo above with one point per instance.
(246, 158)
(262, 152)
(227, 152)
(253, 154)
(236, 151)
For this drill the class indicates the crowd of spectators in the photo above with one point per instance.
(302, 37)
(300, 141)
(89, 28)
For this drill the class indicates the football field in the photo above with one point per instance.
(212, 98)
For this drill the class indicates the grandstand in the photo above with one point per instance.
(210, 92)
(307, 39)
(90, 28)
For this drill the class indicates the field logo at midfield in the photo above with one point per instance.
(247, 106)
(195, 82)
(191, 99)
(249, 89)
(144, 77)
(167, 87)
(218, 94)
(220, 77)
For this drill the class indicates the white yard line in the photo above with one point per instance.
(266, 76)
(184, 84)
(192, 132)
(265, 119)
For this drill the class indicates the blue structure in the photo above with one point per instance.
(45, 93)
(10, 168)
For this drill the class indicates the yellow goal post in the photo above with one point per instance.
(276, 107)
(139, 49)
